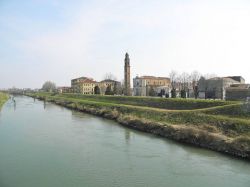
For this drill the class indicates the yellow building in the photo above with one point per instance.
(115, 86)
(64, 89)
(143, 84)
(83, 85)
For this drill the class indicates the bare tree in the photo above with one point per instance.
(49, 86)
(195, 77)
(109, 76)
(209, 75)
(184, 80)
(173, 75)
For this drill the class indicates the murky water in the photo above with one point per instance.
(44, 145)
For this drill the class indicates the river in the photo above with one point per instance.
(45, 145)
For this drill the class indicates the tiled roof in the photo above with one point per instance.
(88, 81)
(82, 78)
(108, 80)
(152, 77)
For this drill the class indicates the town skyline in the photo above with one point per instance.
(48, 40)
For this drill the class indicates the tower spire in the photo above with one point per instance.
(127, 90)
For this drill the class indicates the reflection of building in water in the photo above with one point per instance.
(127, 135)
(78, 115)
(14, 105)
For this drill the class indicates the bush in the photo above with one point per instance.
(173, 93)
(183, 94)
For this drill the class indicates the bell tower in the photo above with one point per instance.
(127, 89)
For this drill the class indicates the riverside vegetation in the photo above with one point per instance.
(222, 126)
(3, 98)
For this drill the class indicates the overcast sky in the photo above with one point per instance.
(59, 40)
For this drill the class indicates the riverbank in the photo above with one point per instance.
(3, 98)
(216, 125)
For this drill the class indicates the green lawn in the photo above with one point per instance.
(218, 125)
(228, 118)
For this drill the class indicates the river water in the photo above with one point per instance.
(45, 145)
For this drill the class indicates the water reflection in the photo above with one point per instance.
(77, 149)
(127, 135)
(14, 105)
(13, 101)
(78, 115)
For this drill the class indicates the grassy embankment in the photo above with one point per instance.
(218, 125)
(3, 98)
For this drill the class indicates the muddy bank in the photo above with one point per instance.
(190, 134)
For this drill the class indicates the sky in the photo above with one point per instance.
(59, 40)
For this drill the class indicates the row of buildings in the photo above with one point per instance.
(88, 86)
(229, 88)
(225, 88)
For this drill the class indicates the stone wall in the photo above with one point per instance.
(237, 94)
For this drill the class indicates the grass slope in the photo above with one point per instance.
(211, 122)
(3, 98)
(155, 102)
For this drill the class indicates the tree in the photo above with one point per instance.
(117, 88)
(122, 89)
(173, 93)
(196, 91)
(162, 93)
(183, 94)
(97, 90)
(184, 80)
(109, 90)
(49, 86)
(152, 92)
(195, 77)
(109, 76)
(210, 75)
(173, 80)
(201, 86)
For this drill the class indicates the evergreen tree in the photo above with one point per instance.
(152, 92)
(183, 94)
(109, 91)
(196, 92)
(97, 90)
(116, 89)
(173, 93)
(162, 93)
